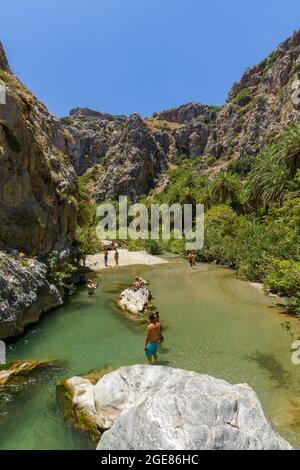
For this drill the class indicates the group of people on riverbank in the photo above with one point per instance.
(115, 251)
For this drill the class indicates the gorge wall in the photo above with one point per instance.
(129, 155)
(38, 184)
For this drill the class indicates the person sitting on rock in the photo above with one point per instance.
(91, 287)
(138, 283)
(151, 345)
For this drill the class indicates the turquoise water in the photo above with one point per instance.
(214, 324)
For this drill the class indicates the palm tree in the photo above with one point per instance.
(268, 180)
(289, 148)
(225, 188)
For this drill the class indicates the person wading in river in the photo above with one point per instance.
(151, 345)
(91, 287)
(194, 259)
(159, 326)
(190, 259)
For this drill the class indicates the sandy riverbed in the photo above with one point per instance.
(126, 258)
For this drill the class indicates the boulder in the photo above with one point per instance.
(155, 407)
(25, 293)
(15, 372)
(75, 395)
(135, 302)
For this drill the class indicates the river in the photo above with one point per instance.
(214, 324)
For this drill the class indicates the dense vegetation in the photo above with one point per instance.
(252, 215)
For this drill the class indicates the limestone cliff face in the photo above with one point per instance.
(134, 160)
(38, 184)
(3, 59)
(259, 106)
(134, 152)
(25, 293)
(183, 114)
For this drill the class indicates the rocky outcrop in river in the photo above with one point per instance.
(135, 302)
(15, 373)
(155, 407)
(25, 293)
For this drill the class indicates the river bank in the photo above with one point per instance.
(126, 258)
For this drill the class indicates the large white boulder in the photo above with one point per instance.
(155, 407)
(135, 301)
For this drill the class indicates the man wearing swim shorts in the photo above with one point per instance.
(151, 345)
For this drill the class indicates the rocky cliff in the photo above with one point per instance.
(25, 293)
(38, 203)
(132, 153)
(38, 184)
(259, 106)
(154, 407)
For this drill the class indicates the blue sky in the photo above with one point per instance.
(124, 56)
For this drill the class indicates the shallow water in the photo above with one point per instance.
(214, 324)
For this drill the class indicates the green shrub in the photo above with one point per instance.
(60, 273)
(243, 97)
(241, 166)
(211, 160)
(152, 247)
(211, 115)
(66, 121)
(102, 161)
(258, 101)
(268, 62)
(283, 277)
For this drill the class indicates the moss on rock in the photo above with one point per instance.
(77, 416)
(15, 372)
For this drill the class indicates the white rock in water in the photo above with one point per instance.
(155, 407)
(135, 301)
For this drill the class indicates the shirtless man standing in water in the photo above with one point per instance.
(151, 345)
